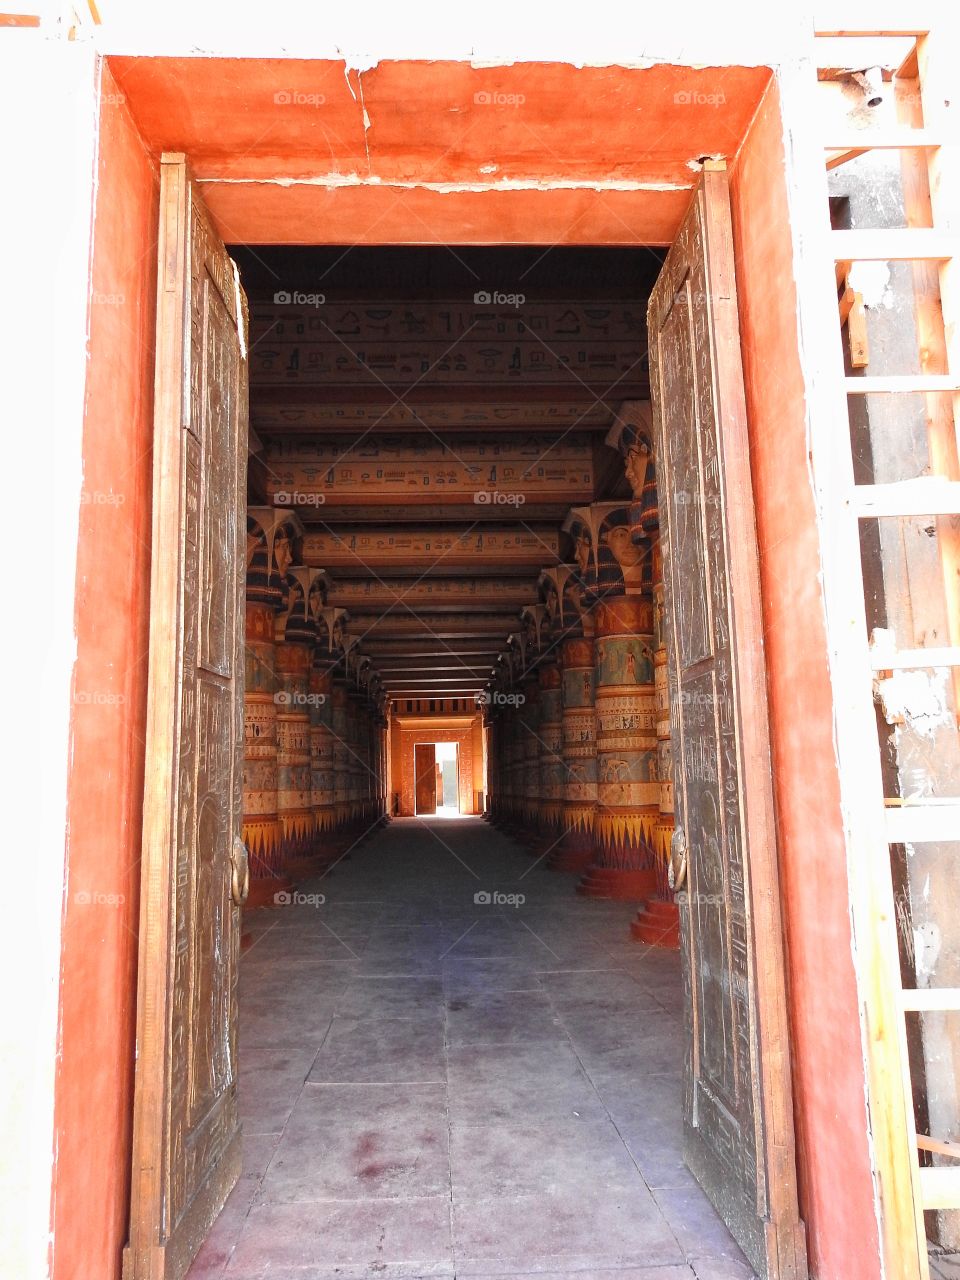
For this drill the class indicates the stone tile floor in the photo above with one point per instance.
(433, 1084)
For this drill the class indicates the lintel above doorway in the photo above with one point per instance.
(293, 151)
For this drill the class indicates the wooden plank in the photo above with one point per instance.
(940, 1188)
(896, 244)
(926, 496)
(857, 339)
(837, 158)
(938, 1147)
(930, 999)
(902, 384)
(923, 823)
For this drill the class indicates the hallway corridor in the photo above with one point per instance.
(437, 1084)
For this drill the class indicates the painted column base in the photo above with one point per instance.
(657, 924)
(569, 858)
(547, 840)
(614, 882)
(575, 851)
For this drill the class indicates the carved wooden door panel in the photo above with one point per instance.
(738, 1112)
(186, 1140)
(425, 776)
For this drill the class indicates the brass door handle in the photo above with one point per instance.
(677, 872)
(239, 872)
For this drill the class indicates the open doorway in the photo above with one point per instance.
(505, 546)
(437, 779)
(448, 779)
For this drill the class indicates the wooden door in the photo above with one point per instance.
(425, 777)
(738, 1121)
(186, 1137)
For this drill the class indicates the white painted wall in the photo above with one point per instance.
(48, 100)
(605, 32)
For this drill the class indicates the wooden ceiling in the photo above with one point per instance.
(431, 414)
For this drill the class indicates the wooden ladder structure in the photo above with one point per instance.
(908, 1181)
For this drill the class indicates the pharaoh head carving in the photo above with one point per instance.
(270, 539)
(283, 549)
(580, 528)
(617, 547)
(531, 617)
(632, 434)
(550, 595)
(304, 586)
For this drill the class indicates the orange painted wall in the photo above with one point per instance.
(98, 966)
(835, 1177)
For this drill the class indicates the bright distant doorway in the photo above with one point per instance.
(448, 779)
(437, 766)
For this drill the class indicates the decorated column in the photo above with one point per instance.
(528, 756)
(322, 780)
(657, 921)
(619, 589)
(336, 622)
(296, 640)
(549, 760)
(270, 537)
(578, 737)
(550, 785)
(353, 738)
(505, 698)
(531, 817)
(380, 730)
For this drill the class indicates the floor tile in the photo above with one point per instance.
(381, 1051)
(502, 1017)
(566, 1231)
(502, 1158)
(352, 1238)
(381, 1143)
